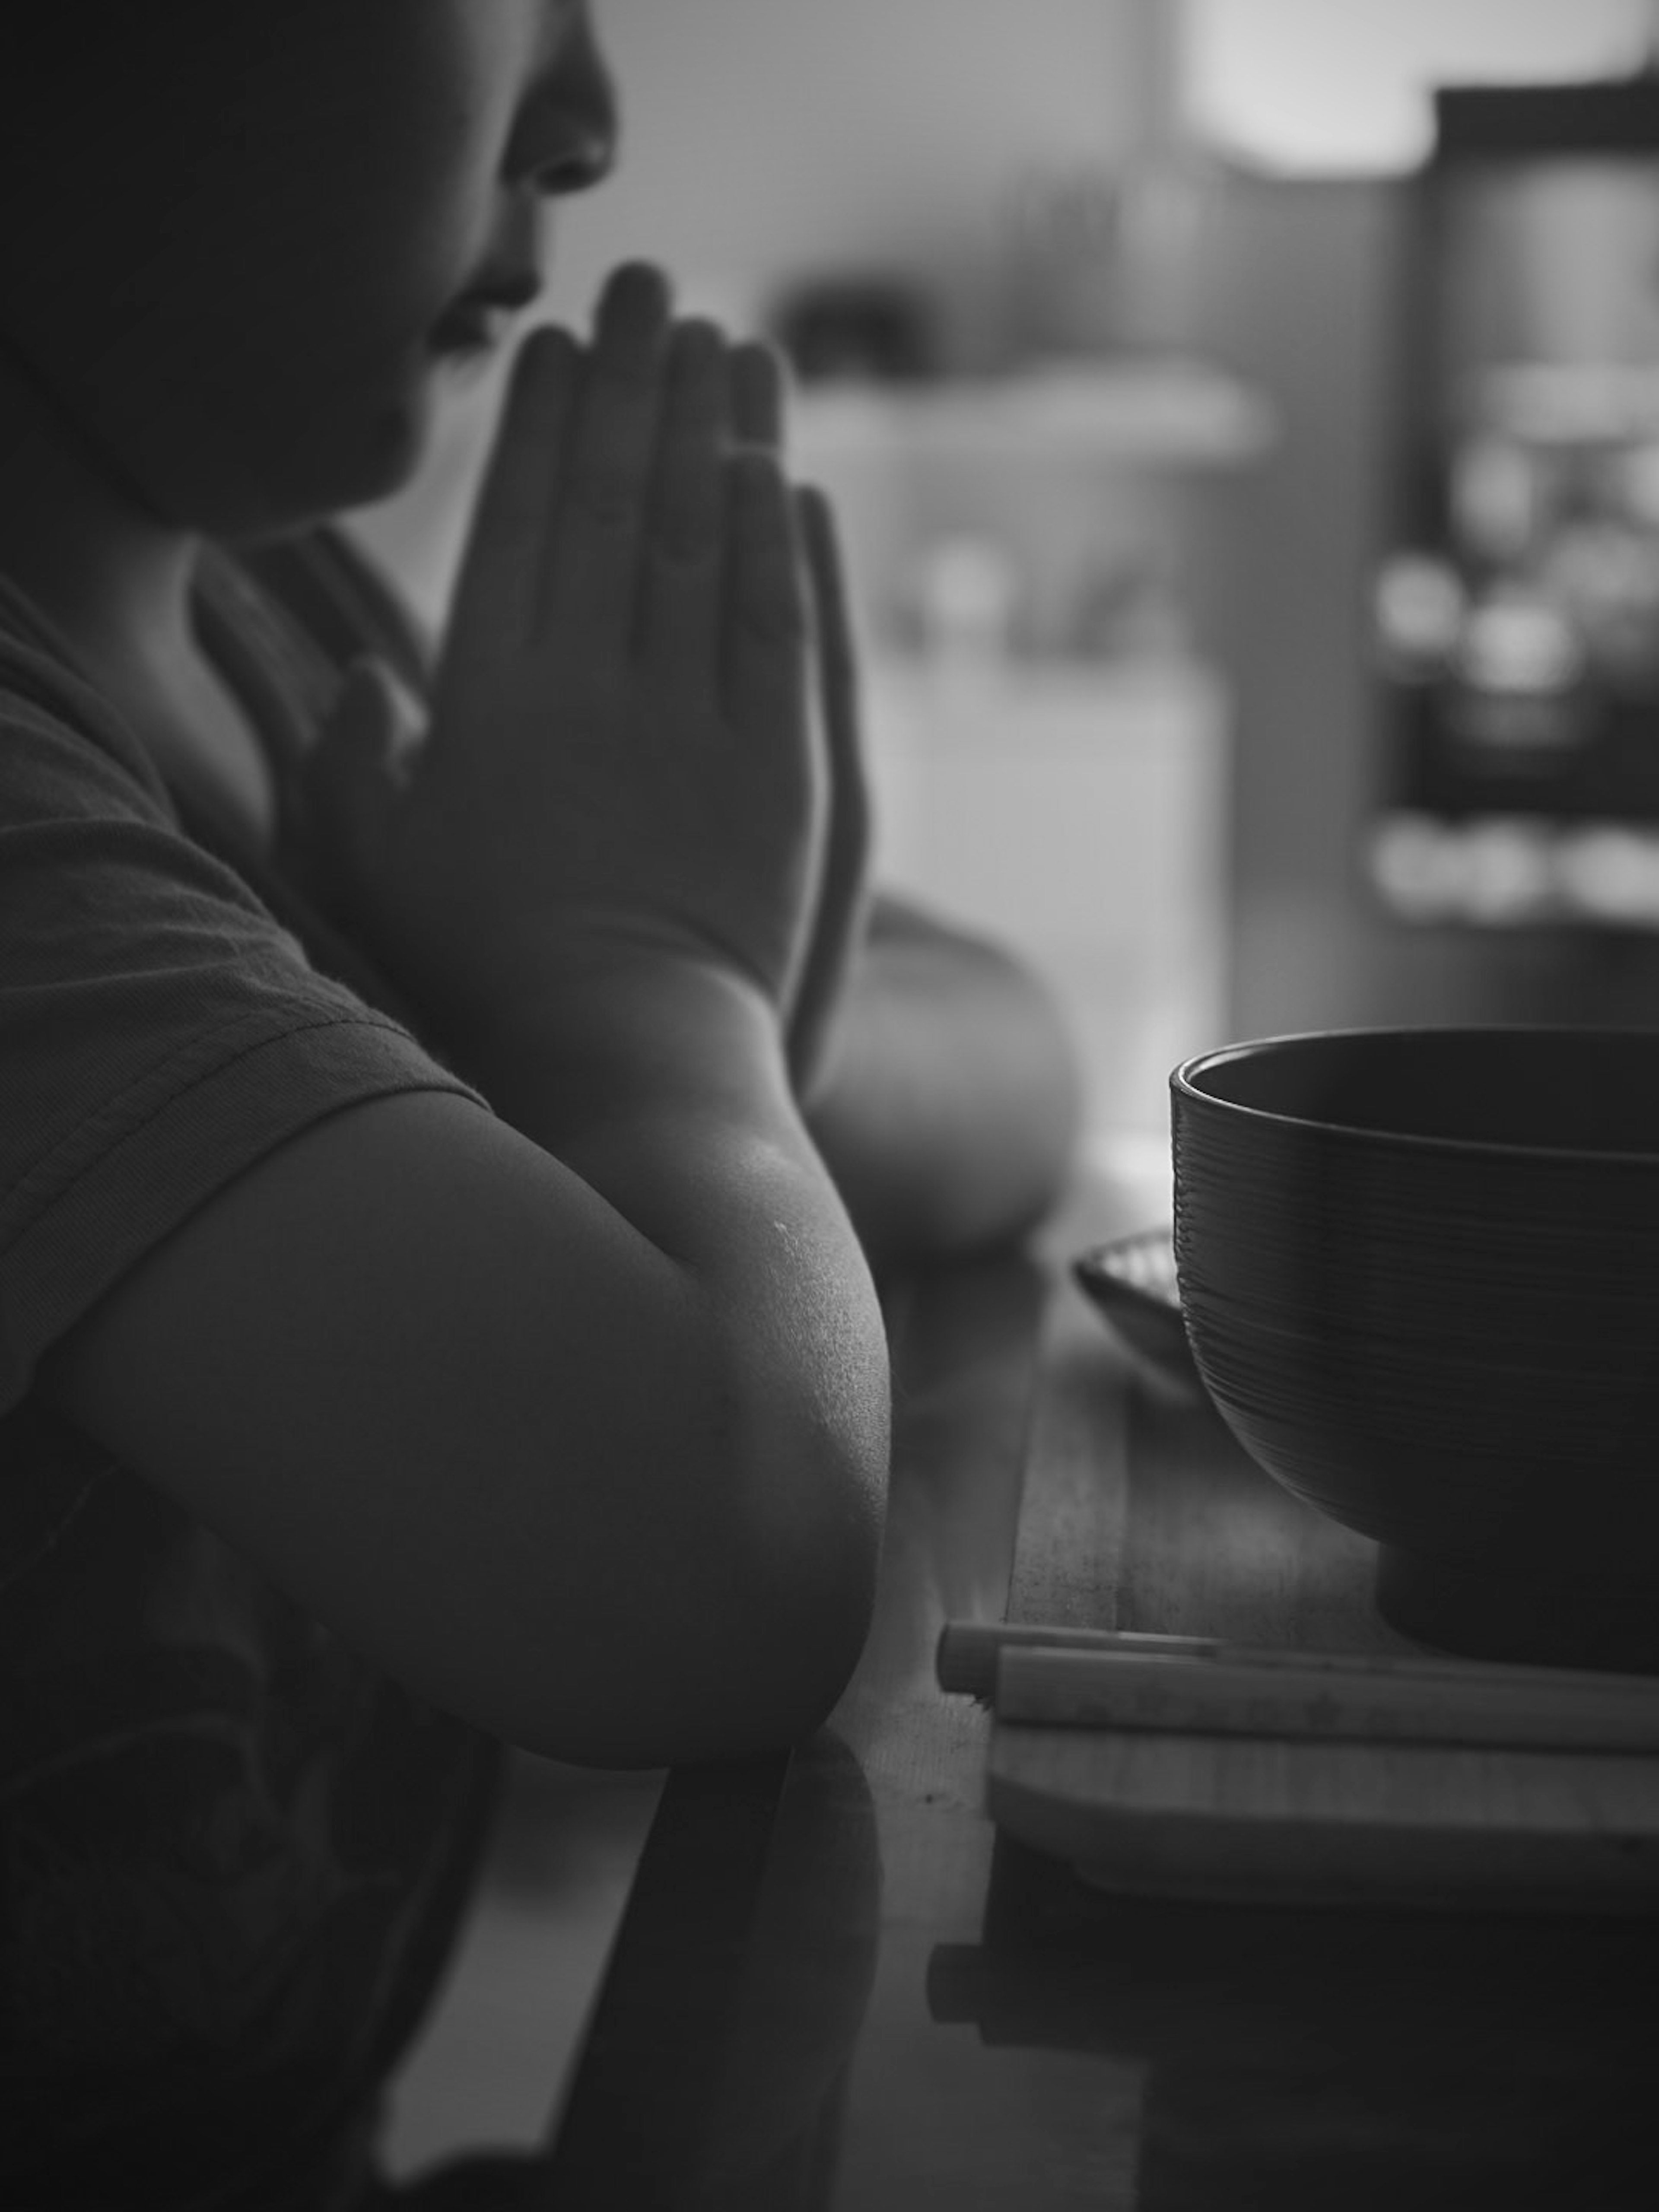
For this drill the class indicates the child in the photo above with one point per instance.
(438, 1179)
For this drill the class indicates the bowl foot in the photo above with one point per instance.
(1481, 1612)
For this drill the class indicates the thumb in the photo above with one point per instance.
(350, 779)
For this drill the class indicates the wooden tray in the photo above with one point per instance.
(1146, 1515)
(1241, 1821)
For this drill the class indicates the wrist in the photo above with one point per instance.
(669, 1095)
(618, 1033)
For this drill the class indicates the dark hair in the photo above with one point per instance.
(88, 47)
(121, 67)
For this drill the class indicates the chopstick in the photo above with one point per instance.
(1095, 1679)
(969, 1651)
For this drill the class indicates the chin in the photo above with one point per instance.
(315, 483)
(386, 460)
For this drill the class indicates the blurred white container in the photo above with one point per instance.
(1079, 814)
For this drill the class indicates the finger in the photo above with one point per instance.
(507, 547)
(832, 622)
(758, 395)
(590, 586)
(839, 922)
(767, 621)
(680, 608)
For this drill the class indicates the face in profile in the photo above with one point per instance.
(239, 243)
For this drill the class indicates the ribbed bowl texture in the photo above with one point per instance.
(1420, 1271)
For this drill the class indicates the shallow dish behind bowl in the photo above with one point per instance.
(1419, 1270)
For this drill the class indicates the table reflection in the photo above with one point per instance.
(714, 2070)
(1310, 2059)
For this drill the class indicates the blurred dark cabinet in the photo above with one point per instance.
(1370, 313)
(1517, 617)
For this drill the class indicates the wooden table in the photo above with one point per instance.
(836, 1987)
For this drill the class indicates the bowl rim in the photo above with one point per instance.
(1182, 1085)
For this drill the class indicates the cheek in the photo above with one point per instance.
(326, 385)
(243, 331)
(281, 369)
(226, 418)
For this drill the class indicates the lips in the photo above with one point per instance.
(478, 320)
(470, 327)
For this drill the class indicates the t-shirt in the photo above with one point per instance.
(232, 1855)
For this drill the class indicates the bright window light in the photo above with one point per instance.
(1342, 86)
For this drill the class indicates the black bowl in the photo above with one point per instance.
(1419, 1270)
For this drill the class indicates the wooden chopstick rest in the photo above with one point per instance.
(1181, 1685)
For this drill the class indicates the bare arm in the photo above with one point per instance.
(603, 1477)
(575, 1419)
(949, 1111)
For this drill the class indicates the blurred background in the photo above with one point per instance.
(1248, 452)
(1251, 467)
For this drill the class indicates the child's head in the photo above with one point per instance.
(233, 232)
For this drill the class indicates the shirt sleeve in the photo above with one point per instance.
(160, 1031)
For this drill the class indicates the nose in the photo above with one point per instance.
(566, 140)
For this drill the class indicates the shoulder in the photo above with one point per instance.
(160, 1030)
(63, 747)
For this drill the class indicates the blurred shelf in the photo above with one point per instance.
(1167, 414)
(958, 703)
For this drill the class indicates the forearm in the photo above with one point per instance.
(950, 1115)
(753, 1437)
(667, 1093)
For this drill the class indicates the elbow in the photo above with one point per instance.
(808, 1508)
(812, 1623)
(746, 1661)
(734, 1625)
(789, 1612)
